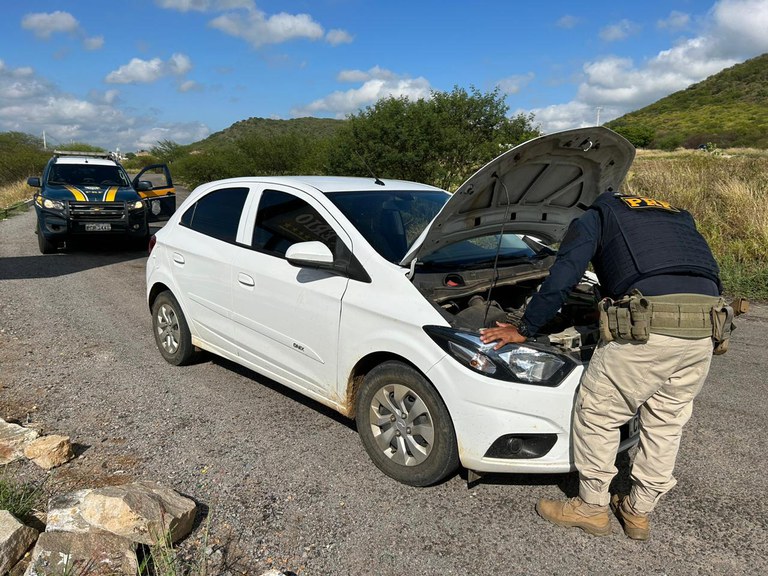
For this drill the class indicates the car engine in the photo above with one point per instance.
(473, 300)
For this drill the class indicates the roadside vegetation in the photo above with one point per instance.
(21, 499)
(443, 140)
(727, 193)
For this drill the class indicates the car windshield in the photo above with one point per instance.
(87, 175)
(390, 221)
(482, 252)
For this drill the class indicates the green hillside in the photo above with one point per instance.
(269, 128)
(729, 109)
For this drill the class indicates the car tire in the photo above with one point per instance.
(171, 330)
(405, 426)
(45, 245)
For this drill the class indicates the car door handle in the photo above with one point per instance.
(245, 280)
(178, 258)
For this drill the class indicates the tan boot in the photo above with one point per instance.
(575, 513)
(636, 526)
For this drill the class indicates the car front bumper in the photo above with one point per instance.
(508, 427)
(59, 225)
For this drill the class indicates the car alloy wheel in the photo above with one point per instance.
(405, 427)
(171, 331)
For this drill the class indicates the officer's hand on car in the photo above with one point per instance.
(504, 333)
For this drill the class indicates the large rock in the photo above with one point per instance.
(144, 512)
(15, 540)
(13, 439)
(91, 553)
(49, 451)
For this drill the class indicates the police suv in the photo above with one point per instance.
(83, 194)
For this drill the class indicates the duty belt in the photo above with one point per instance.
(634, 317)
(682, 315)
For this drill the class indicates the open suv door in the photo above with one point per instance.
(155, 186)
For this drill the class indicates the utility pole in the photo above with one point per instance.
(598, 115)
(44, 146)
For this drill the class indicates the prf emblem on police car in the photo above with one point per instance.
(643, 202)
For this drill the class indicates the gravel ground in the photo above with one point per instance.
(283, 482)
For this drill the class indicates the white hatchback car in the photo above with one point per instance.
(367, 295)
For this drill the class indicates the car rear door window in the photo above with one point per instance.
(217, 214)
(283, 219)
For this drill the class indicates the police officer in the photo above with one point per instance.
(645, 245)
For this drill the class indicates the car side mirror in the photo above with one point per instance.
(34, 181)
(310, 255)
(144, 186)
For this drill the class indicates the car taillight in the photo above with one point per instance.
(152, 242)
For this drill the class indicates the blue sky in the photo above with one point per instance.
(128, 74)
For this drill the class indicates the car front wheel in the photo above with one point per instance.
(405, 427)
(45, 245)
(171, 330)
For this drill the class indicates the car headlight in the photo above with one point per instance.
(53, 204)
(138, 205)
(528, 362)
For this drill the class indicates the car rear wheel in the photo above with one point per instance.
(171, 330)
(405, 427)
(45, 245)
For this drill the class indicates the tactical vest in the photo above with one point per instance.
(642, 237)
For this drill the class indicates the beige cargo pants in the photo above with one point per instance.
(661, 377)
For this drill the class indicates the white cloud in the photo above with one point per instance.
(43, 24)
(95, 43)
(257, 29)
(139, 71)
(189, 86)
(356, 76)
(563, 116)
(378, 83)
(740, 27)
(674, 21)
(179, 64)
(619, 31)
(255, 26)
(353, 76)
(182, 133)
(31, 104)
(337, 36)
(733, 31)
(513, 84)
(46, 24)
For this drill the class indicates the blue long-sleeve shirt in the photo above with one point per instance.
(575, 252)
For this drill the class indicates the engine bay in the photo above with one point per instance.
(475, 299)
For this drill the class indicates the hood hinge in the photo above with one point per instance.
(412, 270)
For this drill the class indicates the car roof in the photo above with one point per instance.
(84, 160)
(326, 184)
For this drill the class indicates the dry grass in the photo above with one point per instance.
(727, 193)
(14, 193)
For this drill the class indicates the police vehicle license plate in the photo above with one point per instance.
(634, 425)
(101, 227)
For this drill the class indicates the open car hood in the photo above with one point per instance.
(536, 188)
